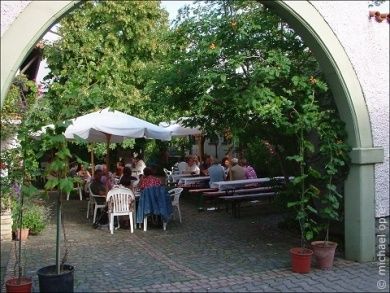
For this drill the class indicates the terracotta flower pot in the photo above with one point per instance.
(24, 234)
(301, 260)
(324, 253)
(24, 284)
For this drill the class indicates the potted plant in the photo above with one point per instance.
(302, 124)
(58, 277)
(301, 256)
(20, 163)
(330, 200)
(21, 283)
(20, 223)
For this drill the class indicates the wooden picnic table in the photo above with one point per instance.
(194, 180)
(177, 177)
(237, 184)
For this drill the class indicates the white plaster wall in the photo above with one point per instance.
(9, 11)
(367, 44)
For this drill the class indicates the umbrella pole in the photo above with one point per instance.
(108, 136)
(92, 159)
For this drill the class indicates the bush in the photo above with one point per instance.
(35, 217)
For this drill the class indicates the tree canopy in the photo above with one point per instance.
(99, 61)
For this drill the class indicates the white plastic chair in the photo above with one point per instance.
(78, 189)
(168, 176)
(121, 202)
(92, 203)
(176, 192)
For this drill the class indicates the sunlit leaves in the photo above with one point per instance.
(100, 60)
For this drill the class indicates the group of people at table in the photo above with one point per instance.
(227, 169)
(135, 176)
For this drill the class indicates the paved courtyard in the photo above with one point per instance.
(209, 251)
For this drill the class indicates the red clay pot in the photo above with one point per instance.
(24, 235)
(22, 285)
(301, 260)
(324, 253)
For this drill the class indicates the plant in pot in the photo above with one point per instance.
(21, 283)
(58, 277)
(20, 162)
(303, 124)
(330, 200)
(303, 211)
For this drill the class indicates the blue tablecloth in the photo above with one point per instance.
(154, 201)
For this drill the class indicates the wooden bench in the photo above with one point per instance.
(236, 191)
(198, 192)
(216, 195)
(237, 199)
(201, 190)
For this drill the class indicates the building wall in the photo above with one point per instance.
(366, 42)
(9, 11)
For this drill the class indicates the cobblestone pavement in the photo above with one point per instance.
(209, 251)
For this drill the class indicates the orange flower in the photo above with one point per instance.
(212, 46)
(312, 80)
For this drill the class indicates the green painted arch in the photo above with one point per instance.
(24, 32)
(19, 40)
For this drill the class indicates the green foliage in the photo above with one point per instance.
(20, 99)
(100, 59)
(248, 73)
(35, 217)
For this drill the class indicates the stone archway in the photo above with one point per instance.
(19, 39)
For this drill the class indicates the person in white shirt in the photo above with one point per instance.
(192, 167)
(182, 165)
(139, 166)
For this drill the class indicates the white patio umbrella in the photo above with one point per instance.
(177, 129)
(97, 126)
(113, 126)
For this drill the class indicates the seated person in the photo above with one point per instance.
(182, 165)
(216, 172)
(126, 179)
(119, 169)
(207, 161)
(83, 173)
(192, 168)
(73, 169)
(250, 173)
(147, 180)
(107, 177)
(97, 187)
(139, 165)
(236, 172)
(226, 165)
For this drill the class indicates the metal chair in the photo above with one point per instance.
(121, 202)
(176, 192)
